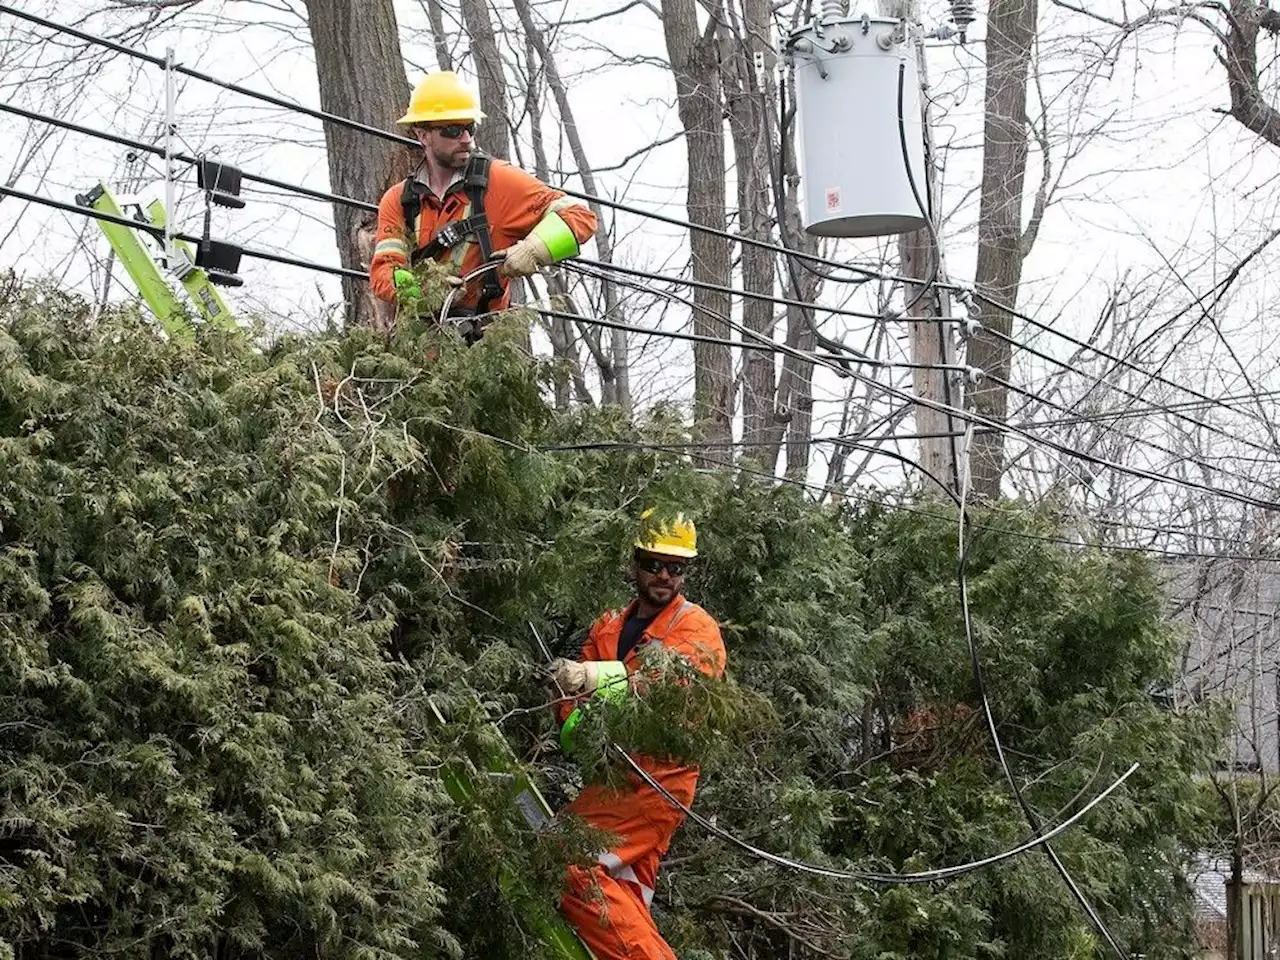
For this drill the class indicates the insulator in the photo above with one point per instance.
(963, 13)
(832, 10)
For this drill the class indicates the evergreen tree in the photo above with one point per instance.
(254, 602)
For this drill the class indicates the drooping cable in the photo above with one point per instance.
(938, 875)
(832, 364)
(961, 476)
(923, 876)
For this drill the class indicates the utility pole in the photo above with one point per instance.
(931, 337)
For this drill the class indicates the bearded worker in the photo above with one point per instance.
(608, 903)
(467, 208)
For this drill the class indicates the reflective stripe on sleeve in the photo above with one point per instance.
(386, 247)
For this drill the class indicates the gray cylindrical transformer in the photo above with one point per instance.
(853, 178)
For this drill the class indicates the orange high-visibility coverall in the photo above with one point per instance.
(608, 904)
(514, 201)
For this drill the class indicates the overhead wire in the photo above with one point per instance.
(937, 875)
(962, 479)
(155, 231)
(1098, 381)
(844, 352)
(833, 364)
(143, 147)
(923, 876)
(1154, 445)
(355, 125)
(675, 221)
(1076, 341)
(708, 456)
(1006, 428)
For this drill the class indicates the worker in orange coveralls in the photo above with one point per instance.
(465, 207)
(608, 904)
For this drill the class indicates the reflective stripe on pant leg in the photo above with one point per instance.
(610, 919)
(620, 871)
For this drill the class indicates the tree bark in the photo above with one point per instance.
(615, 375)
(694, 61)
(361, 75)
(793, 409)
(1011, 30)
(749, 98)
(1249, 105)
(564, 351)
(494, 133)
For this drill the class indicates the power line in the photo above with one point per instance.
(1121, 361)
(159, 232)
(157, 151)
(372, 207)
(924, 876)
(1178, 457)
(340, 271)
(393, 137)
(1004, 427)
(679, 449)
(1098, 381)
(780, 348)
(407, 141)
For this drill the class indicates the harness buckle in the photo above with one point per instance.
(449, 235)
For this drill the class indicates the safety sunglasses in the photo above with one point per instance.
(452, 131)
(656, 565)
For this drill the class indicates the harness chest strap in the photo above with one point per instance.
(476, 183)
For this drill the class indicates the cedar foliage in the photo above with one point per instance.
(240, 587)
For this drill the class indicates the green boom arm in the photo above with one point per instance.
(500, 762)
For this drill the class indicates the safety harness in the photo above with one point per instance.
(475, 181)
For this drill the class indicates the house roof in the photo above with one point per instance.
(1209, 876)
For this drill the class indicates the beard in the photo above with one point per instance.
(658, 594)
(454, 157)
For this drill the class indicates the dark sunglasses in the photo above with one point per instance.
(452, 131)
(655, 565)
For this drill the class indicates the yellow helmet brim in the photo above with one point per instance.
(441, 116)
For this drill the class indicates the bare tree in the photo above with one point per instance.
(694, 56)
(361, 74)
(615, 369)
(439, 37)
(749, 94)
(1011, 28)
(495, 133)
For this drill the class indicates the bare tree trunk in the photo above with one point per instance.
(695, 62)
(800, 393)
(361, 76)
(617, 376)
(1235, 903)
(1249, 104)
(494, 134)
(749, 99)
(1011, 30)
(559, 332)
(439, 37)
(793, 409)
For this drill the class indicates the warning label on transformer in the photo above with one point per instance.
(833, 200)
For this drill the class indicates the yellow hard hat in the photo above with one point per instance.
(442, 96)
(676, 537)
